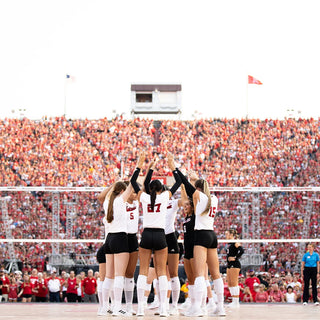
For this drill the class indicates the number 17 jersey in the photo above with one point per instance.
(155, 218)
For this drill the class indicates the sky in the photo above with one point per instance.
(209, 47)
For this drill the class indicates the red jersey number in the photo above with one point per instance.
(212, 212)
(156, 207)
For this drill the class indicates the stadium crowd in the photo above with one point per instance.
(227, 152)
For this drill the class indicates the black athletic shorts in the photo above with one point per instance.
(153, 239)
(205, 238)
(133, 242)
(188, 249)
(116, 243)
(172, 243)
(101, 254)
(234, 264)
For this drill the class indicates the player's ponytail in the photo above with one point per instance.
(118, 187)
(155, 186)
(234, 233)
(204, 187)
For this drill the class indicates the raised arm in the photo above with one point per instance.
(133, 180)
(184, 196)
(190, 189)
(176, 176)
(102, 196)
(148, 176)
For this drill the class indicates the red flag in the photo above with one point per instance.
(252, 80)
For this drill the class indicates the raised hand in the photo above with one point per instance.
(154, 162)
(142, 157)
(192, 175)
(171, 162)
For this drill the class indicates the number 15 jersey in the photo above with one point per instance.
(155, 218)
(205, 221)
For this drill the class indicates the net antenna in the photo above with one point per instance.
(55, 254)
(13, 265)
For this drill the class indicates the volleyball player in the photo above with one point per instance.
(153, 237)
(172, 243)
(188, 230)
(205, 244)
(101, 258)
(117, 248)
(132, 209)
(234, 252)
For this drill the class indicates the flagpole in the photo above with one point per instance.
(65, 98)
(247, 102)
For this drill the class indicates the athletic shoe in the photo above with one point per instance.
(316, 303)
(220, 312)
(99, 311)
(211, 307)
(173, 311)
(120, 313)
(186, 304)
(305, 303)
(163, 312)
(104, 311)
(140, 312)
(233, 305)
(194, 312)
(131, 311)
(157, 312)
(153, 305)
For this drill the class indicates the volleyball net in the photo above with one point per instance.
(65, 223)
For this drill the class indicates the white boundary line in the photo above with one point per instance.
(220, 189)
(101, 241)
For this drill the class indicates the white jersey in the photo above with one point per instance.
(119, 222)
(133, 216)
(106, 227)
(205, 222)
(157, 217)
(171, 215)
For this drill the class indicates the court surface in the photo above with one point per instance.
(63, 311)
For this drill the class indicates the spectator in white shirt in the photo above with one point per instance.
(54, 287)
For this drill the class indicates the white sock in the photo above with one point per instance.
(199, 288)
(141, 287)
(106, 288)
(128, 290)
(191, 293)
(99, 290)
(158, 291)
(218, 288)
(175, 287)
(163, 290)
(234, 291)
(118, 289)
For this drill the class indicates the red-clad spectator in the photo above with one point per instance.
(5, 285)
(247, 296)
(250, 282)
(261, 295)
(41, 289)
(13, 290)
(89, 287)
(63, 282)
(276, 294)
(72, 287)
(26, 289)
